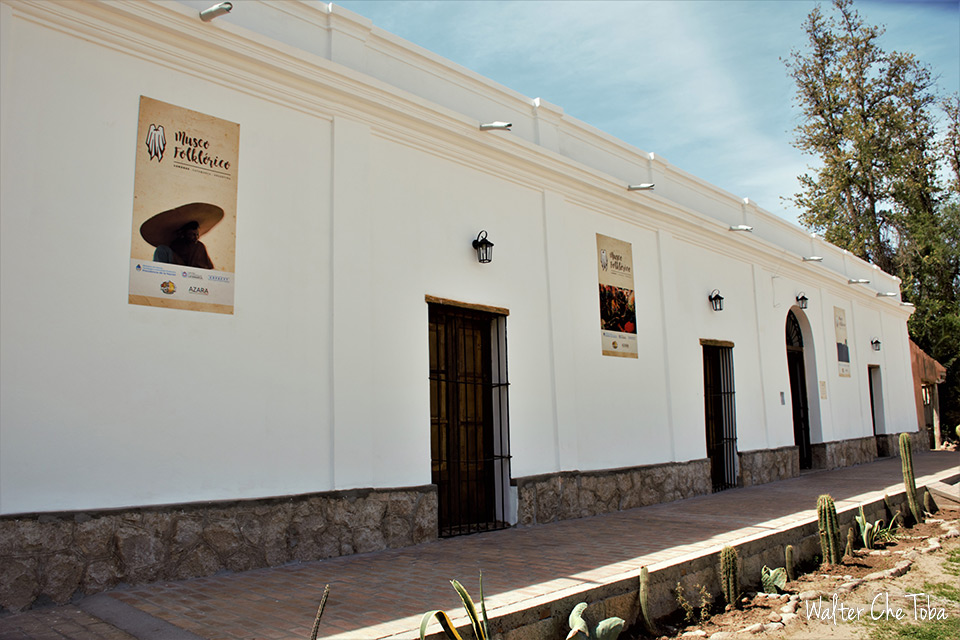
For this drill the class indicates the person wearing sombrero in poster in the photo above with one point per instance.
(176, 234)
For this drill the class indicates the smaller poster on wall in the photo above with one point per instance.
(843, 348)
(618, 309)
(184, 209)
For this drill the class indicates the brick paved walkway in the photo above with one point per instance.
(383, 594)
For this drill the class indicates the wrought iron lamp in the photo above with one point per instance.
(802, 300)
(716, 300)
(875, 343)
(484, 248)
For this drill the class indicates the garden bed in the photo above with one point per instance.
(870, 592)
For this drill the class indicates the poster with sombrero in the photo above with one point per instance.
(183, 245)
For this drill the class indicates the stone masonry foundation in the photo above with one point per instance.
(888, 444)
(55, 557)
(579, 494)
(843, 453)
(769, 465)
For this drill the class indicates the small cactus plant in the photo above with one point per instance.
(788, 560)
(909, 483)
(730, 575)
(645, 602)
(928, 503)
(607, 629)
(830, 544)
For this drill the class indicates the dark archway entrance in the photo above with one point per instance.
(798, 390)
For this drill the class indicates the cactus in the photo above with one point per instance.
(906, 460)
(829, 530)
(788, 558)
(730, 575)
(928, 503)
(607, 629)
(645, 602)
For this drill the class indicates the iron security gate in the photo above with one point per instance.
(721, 419)
(469, 434)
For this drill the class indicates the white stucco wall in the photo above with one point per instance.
(358, 198)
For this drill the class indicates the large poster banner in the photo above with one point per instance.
(618, 311)
(184, 209)
(843, 349)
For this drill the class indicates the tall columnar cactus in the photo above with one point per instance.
(788, 561)
(831, 545)
(645, 601)
(730, 575)
(906, 460)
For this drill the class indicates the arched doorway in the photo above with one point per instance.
(798, 390)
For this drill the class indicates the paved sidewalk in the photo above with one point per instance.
(384, 594)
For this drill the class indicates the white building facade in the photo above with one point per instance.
(375, 385)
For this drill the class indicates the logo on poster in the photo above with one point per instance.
(218, 279)
(156, 142)
(603, 259)
(200, 291)
(190, 274)
(168, 287)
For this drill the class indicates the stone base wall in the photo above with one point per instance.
(844, 453)
(888, 444)
(579, 494)
(769, 465)
(56, 557)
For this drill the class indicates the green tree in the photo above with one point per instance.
(886, 185)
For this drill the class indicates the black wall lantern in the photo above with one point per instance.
(875, 343)
(802, 300)
(484, 248)
(716, 300)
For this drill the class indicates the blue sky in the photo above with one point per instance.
(700, 83)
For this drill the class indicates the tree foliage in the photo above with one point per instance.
(887, 183)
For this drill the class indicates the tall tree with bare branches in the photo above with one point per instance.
(886, 184)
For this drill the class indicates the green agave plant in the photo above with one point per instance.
(773, 580)
(868, 531)
(480, 627)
